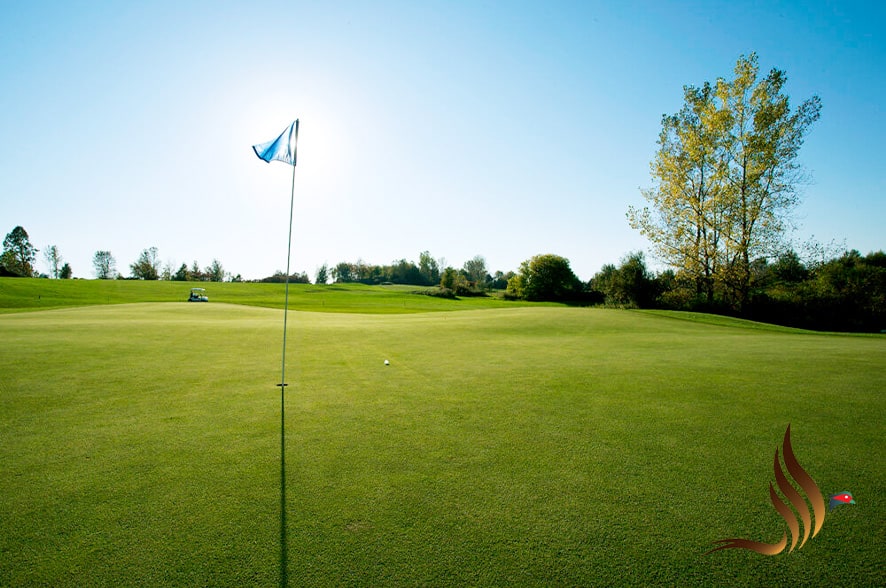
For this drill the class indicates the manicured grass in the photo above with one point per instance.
(140, 445)
(18, 294)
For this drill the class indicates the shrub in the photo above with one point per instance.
(545, 277)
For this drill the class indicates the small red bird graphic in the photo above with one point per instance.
(841, 498)
(796, 500)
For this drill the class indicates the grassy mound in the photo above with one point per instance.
(141, 445)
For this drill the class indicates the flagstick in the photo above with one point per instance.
(283, 383)
(284, 564)
(276, 150)
(293, 146)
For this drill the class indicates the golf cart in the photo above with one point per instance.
(198, 295)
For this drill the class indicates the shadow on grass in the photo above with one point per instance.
(284, 570)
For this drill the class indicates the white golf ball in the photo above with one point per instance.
(387, 362)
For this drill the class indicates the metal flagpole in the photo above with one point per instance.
(283, 383)
(277, 150)
(284, 564)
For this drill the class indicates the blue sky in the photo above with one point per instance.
(501, 129)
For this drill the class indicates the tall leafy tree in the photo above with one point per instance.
(195, 273)
(168, 271)
(475, 269)
(629, 284)
(53, 260)
(726, 179)
(182, 274)
(686, 222)
(147, 266)
(429, 268)
(449, 278)
(343, 272)
(215, 272)
(18, 253)
(105, 265)
(322, 274)
(762, 142)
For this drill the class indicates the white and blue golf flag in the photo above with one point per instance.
(283, 148)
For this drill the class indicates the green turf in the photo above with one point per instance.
(18, 294)
(140, 445)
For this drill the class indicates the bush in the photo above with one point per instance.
(630, 284)
(437, 292)
(545, 277)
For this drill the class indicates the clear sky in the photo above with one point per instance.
(501, 129)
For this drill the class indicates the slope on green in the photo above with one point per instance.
(140, 445)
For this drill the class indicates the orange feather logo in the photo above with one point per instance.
(813, 494)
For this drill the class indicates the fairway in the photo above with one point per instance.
(26, 294)
(503, 446)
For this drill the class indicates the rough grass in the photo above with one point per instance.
(140, 445)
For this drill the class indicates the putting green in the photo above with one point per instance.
(140, 445)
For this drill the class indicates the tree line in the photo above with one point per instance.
(19, 257)
(149, 267)
(824, 288)
(845, 292)
(472, 278)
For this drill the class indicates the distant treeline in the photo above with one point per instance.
(846, 292)
(472, 279)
